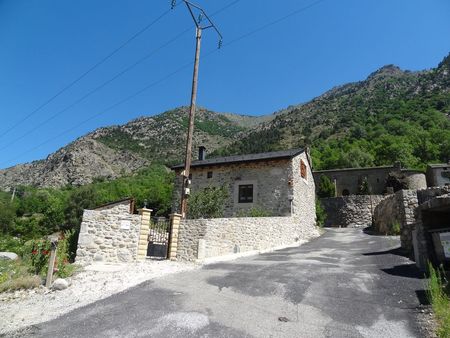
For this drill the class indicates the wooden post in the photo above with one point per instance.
(51, 263)
(187, 160)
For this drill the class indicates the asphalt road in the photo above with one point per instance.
(343, 284)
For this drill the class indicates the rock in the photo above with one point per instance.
(9, 255)
(60, 284)
(98, 257)
(124, 255)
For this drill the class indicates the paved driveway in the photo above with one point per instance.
(343, 284)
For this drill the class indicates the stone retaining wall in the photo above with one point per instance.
(354, 211)
(398, 207)
(428, 194)
(206, 238)
(110, 235)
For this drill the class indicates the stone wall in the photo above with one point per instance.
(428, 194)
(206, 238)
(109, 235)
(354, 211)
(398, 207)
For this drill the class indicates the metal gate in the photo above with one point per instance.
(158, 238)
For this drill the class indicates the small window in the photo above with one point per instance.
(209, 174)
(303, 171)
(246, 193)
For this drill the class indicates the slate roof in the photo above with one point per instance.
(439, 165)
(243, 158)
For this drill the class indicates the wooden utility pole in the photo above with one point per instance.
(188, 155)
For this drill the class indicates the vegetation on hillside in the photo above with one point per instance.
(391, 116)
(35, 213)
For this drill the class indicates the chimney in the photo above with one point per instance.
(201, 153)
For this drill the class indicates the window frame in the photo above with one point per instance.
(249, 198)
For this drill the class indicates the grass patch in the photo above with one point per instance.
(15, 275)
(438, 295)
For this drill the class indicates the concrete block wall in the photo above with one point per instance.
(207, 238)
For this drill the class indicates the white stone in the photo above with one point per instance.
(9, 255)
(60, 284)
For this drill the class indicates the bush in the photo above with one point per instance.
(321, 215)
(208, 203)
(37, 254)
(256, 211)
(439, 300)
(394, 228)
(326, 187)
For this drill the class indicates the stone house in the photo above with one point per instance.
(279, 182)
(347, 181)
(438, 175)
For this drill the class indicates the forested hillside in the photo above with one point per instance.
(393, 115)
(34, 213)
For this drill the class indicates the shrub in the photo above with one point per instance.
(326, 187)
(256, 211)
(394, 228)
(208, 203)
(37, 254)
(439, 300)
(364, 187)
(321, 215)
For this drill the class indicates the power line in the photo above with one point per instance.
(83, 75)
(185, 66)
(105, 83)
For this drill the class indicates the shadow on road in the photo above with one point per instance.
(405, 270)
(397, 251)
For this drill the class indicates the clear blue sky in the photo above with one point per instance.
(45, 45)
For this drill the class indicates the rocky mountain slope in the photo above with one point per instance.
(116, 151)
(392, 115)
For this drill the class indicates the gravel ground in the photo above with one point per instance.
(28, 307)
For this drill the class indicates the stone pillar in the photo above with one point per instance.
(143, 232)
(175, 220)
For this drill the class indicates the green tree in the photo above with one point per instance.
(207, 203)
(326, 187)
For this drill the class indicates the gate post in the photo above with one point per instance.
(143, 232)
(173, 241)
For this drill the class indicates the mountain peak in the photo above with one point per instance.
(388, 70)
(445, 63)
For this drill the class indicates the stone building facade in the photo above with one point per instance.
(438, 175)
(348, 181)
(281, 183)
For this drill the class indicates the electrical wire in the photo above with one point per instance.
(178, 70)
(105, 83)
(88, 71)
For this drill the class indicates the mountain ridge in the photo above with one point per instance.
(357, 117)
